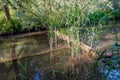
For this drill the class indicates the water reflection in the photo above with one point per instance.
(24, 46)
(13, 49)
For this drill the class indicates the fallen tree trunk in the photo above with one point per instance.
(83, 46)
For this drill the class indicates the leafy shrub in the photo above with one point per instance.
(98, 16)
(116, 13)
(10, 27)
(102, 16)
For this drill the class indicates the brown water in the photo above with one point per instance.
(13, 48)
(17, 54)
(25, 45)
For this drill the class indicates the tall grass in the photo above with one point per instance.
(74, 17)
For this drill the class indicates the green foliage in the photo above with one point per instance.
(58, 13)
(91, 35)
(0, 8)
(10, 27)
(102, 16)
(1, 14)
(116, 14)
(98, 16)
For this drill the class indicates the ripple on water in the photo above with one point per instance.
(113, 75)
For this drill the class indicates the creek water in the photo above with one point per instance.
(20, 56)
(12, 68)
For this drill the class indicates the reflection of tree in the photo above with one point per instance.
(14, 63)
(51, 48)
(17, 48)
(24, 46)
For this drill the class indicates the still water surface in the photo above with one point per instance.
(13, 48)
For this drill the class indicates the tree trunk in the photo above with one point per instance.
(15, 64)
(7, 13)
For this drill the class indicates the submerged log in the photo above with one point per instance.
(5, 59)
(28, 34)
